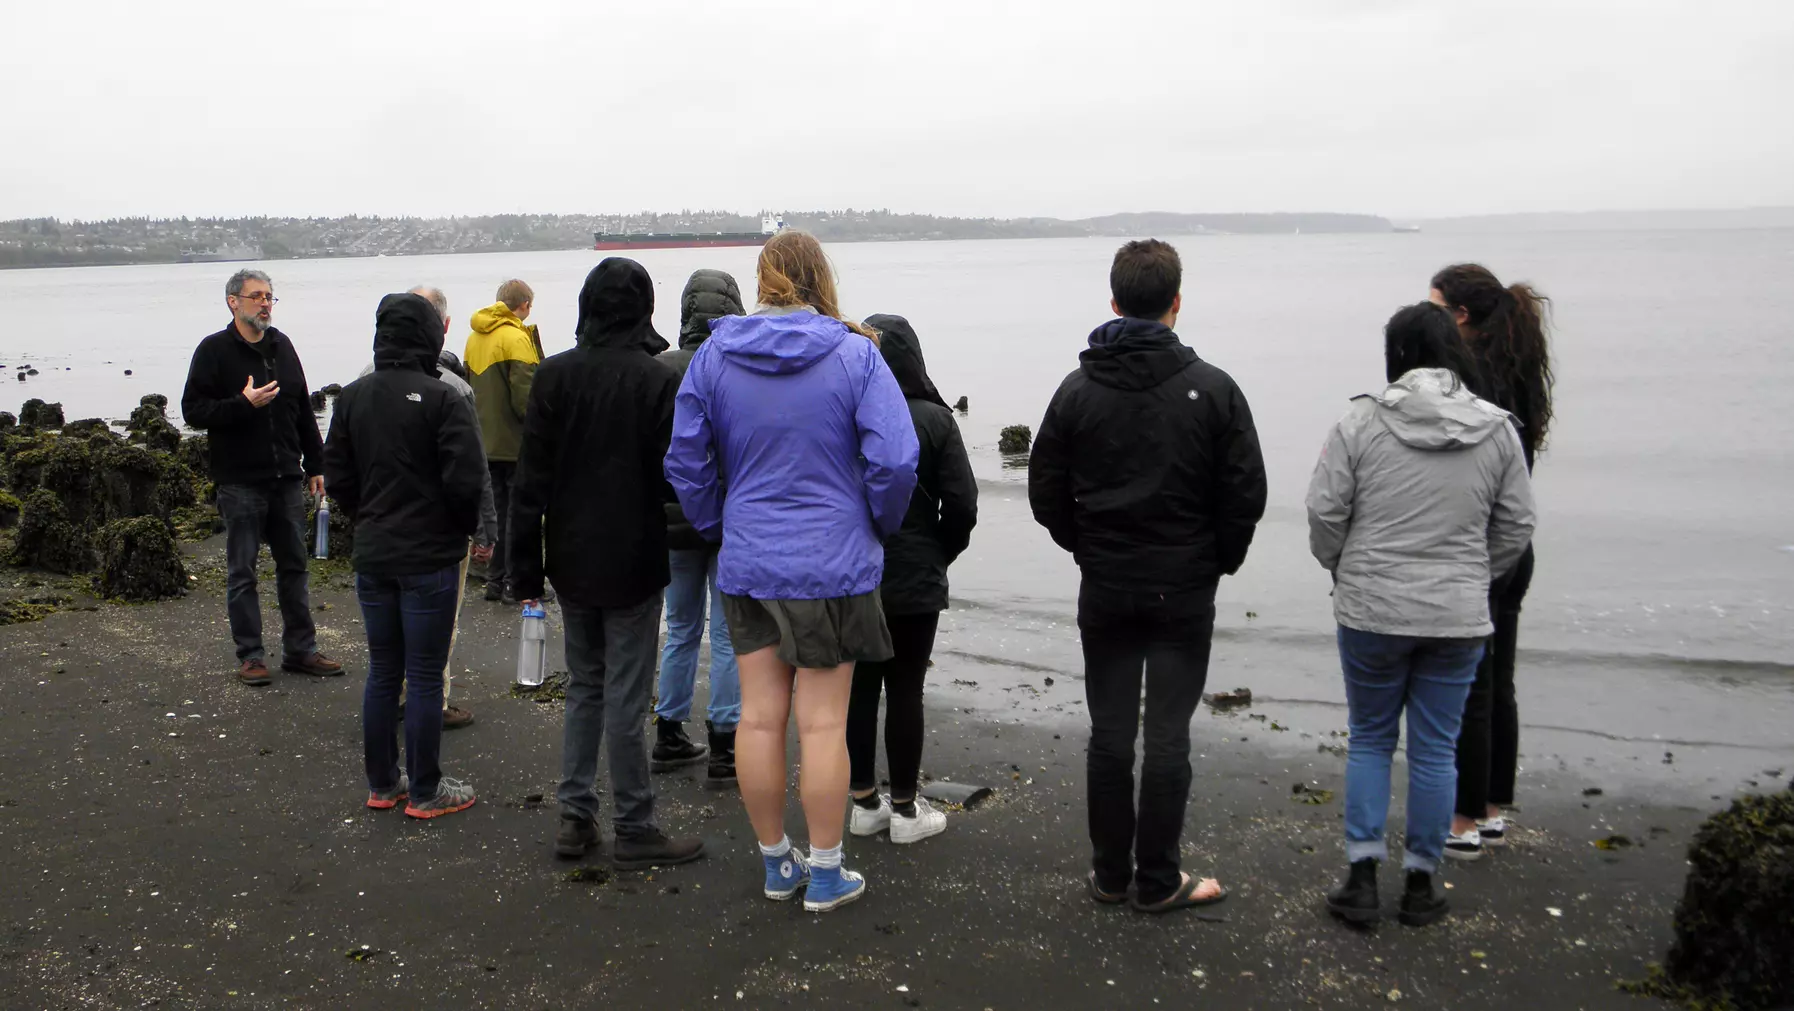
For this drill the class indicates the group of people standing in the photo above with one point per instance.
(793, 479)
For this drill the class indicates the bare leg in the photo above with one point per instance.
(760, 741)
(822, 736)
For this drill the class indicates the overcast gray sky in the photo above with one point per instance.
(1399, 107)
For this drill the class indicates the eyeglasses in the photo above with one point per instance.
(264, 297)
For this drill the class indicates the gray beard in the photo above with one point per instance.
(256, 323)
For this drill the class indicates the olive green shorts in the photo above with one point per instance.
(817, 634)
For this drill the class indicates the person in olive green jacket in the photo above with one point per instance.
(502, 354)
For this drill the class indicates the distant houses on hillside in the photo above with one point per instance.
(42, 242)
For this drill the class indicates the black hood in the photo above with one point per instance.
(903, 353)
(1134, 354)
(616, 307)
(710, 294)
(407, 334)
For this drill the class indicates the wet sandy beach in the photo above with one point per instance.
(220, 856)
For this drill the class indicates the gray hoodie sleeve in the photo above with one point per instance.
(488, 532)
(1512, 519)
(1330, 493)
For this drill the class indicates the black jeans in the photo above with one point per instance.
(274, 514)
(1166, 637)
(498, 569)
(900, 678)
(1489, 744)
(410, 623)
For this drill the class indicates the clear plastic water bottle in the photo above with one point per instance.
(532, 647)
(323, 546)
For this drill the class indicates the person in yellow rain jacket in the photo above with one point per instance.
(502, 354)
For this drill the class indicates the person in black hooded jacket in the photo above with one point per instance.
(404, 464)
(936, 529)
(1147, 468)
(590, 490)
(708, 295)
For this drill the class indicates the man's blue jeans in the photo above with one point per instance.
(409, 623)
(1430, 679)
(694, 573)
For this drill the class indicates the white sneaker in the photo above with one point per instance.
(1465, 845)
(1493, 830)
(927, 822)
(867, 820)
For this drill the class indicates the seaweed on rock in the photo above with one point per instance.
(47, 539)
(139, 560)
(1734, 936)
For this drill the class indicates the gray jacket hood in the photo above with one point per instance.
(1433, 409)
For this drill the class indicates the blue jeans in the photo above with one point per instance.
(693, 571)
(1430, 678)
(410, 620)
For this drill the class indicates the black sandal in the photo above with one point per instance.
(1097, 893)
(1183, 898)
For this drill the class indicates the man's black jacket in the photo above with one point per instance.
(251, 445)
(1147, 466)
(588, 504)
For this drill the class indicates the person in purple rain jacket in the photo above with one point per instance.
(793, 446)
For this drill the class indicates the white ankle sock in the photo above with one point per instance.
(783, 847)
(825, 859)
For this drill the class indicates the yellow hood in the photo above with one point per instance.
(494, 316)
(499, 336)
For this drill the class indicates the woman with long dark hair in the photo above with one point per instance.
(1420, 497)
(1506, 330)
(793, 446)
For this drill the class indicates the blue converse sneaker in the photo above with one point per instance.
(786, 875)
(831, 887)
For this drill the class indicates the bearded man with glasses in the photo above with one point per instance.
(247, 390)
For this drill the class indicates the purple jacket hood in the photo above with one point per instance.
(777, 345)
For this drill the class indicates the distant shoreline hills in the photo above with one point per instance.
(51, 242)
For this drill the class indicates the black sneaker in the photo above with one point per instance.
(1421, 903)
(495, 590)
(576, 836)
(672, 749)
(721, 774)
(1356, 901)
(655, 849)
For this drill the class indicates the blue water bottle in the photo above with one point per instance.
(323, 546)
(532, 647)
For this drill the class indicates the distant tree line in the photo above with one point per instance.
(44, 242)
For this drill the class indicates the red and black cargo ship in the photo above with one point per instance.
(769, 226)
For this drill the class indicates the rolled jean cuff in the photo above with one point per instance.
(1412, 861)
(1371, 849)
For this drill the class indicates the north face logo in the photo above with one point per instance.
(419, 398)
(1192, 394)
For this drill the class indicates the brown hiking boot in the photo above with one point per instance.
(454, 718)
(254, 673)
(655, 849)
(311, 663)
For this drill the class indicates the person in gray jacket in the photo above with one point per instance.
(1421, 496)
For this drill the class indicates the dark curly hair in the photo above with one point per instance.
(1507, 327)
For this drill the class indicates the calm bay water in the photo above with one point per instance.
(1665, 523)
